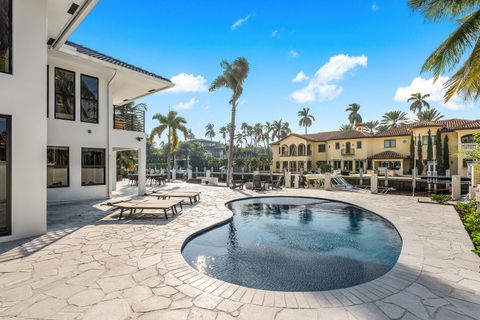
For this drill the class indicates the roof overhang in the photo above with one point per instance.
(127, 85)
(64, 16)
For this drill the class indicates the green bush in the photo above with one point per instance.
(471, 221)
(440, 198)
(325, 168)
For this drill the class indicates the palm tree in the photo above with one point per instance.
(190, 135)
(223, 131)
(371, 126)
(429, 115)
(418, 102)
(239, 138)
(306, 118)
(354, 117)
(173, 124)
(280, 129)
(394, 119)
(346, 127)
(257, 131)
(210, 131)
(465, 38)
(233, 76)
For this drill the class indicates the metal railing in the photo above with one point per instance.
(131, 119)
(348, 152)
(469, 146)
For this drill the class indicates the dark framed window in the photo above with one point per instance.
(58, 167)
(6, 36)
(337, 145)
(5, 175)
(467, 139)
(93, 166)
(64, 94)
(359, 144)
(390, 143)
(321, 148)
(88, 99)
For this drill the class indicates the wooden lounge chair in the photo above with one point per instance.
(134, 205)
(277, 184)
(237, 184)
(257, 184)
(191, 195)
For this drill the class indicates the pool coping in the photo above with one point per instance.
(405, 272)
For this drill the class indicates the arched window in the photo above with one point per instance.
(293, 150)
(467, 139)
(301, 149)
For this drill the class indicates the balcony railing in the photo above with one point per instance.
(348, 152)
(131, 119)
(469, 146)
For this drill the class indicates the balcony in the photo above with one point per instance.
(348, 152)
(128, 118)
(469, 146)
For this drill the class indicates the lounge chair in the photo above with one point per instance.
(237, 184)
(191, 195)
(277, 184)
(134, 205)
(257, 184)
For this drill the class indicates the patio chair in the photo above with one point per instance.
(237, 184)
(193, 196)
(277, 185)
(257, 184)
(134, 205)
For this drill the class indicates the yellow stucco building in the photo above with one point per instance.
(355, 149)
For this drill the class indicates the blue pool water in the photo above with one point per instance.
(296, 244)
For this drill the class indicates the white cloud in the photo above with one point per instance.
(435, 90)
(293, 54)
(185, 82)
(320, 87)
(375, 7)
(274, 33)
(301, 76)
(240, 21)
(185, 105)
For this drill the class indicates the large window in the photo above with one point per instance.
(5, 175)
(337, 145)
(64, 94)
(58, 167)
(93, 166)
(359, 144)
(391, 143)
(467, 139)
(6, 36)
(89, 99)
(321, 148)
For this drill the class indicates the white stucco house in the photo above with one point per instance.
(61, 115)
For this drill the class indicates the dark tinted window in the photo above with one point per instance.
(64, 94)
(58, 163)
(5, 184)
(93, 166)
(6, 36)
(89, 99)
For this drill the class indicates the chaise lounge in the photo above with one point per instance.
(193, 196)
(134, 205)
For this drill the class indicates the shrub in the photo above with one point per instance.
(325, 168)
(440, 198)
(471, 221)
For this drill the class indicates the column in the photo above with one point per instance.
(374, 183)
(456, 187)
(113, 172)
(328, 181)
(142, 168)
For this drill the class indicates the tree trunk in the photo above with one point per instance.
(230, 146)
(169, 159)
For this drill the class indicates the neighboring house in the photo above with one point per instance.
(355, 149)
(61, 114)
(213, 148)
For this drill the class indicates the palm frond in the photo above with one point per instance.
(438, 9)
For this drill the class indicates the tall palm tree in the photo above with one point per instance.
(354, 117)
(233, 77)
(346, 127)
(371, 126)
(190, 135)
(306, 118)
(418, 102)
(394, 119)
(257, 131)
(172, 124)
(429, 115)
(210, 131)
(280, 129)
(465, 38)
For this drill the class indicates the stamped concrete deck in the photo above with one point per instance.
(102, 268)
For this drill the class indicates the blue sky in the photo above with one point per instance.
(364, 51)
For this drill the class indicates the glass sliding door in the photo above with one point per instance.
(5, 172)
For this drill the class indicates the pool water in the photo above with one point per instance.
(296, 244)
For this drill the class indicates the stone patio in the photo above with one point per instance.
(92, 266)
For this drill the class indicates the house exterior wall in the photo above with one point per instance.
(76, 134)
(23, 97)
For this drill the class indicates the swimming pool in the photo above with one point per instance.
(296, 244)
